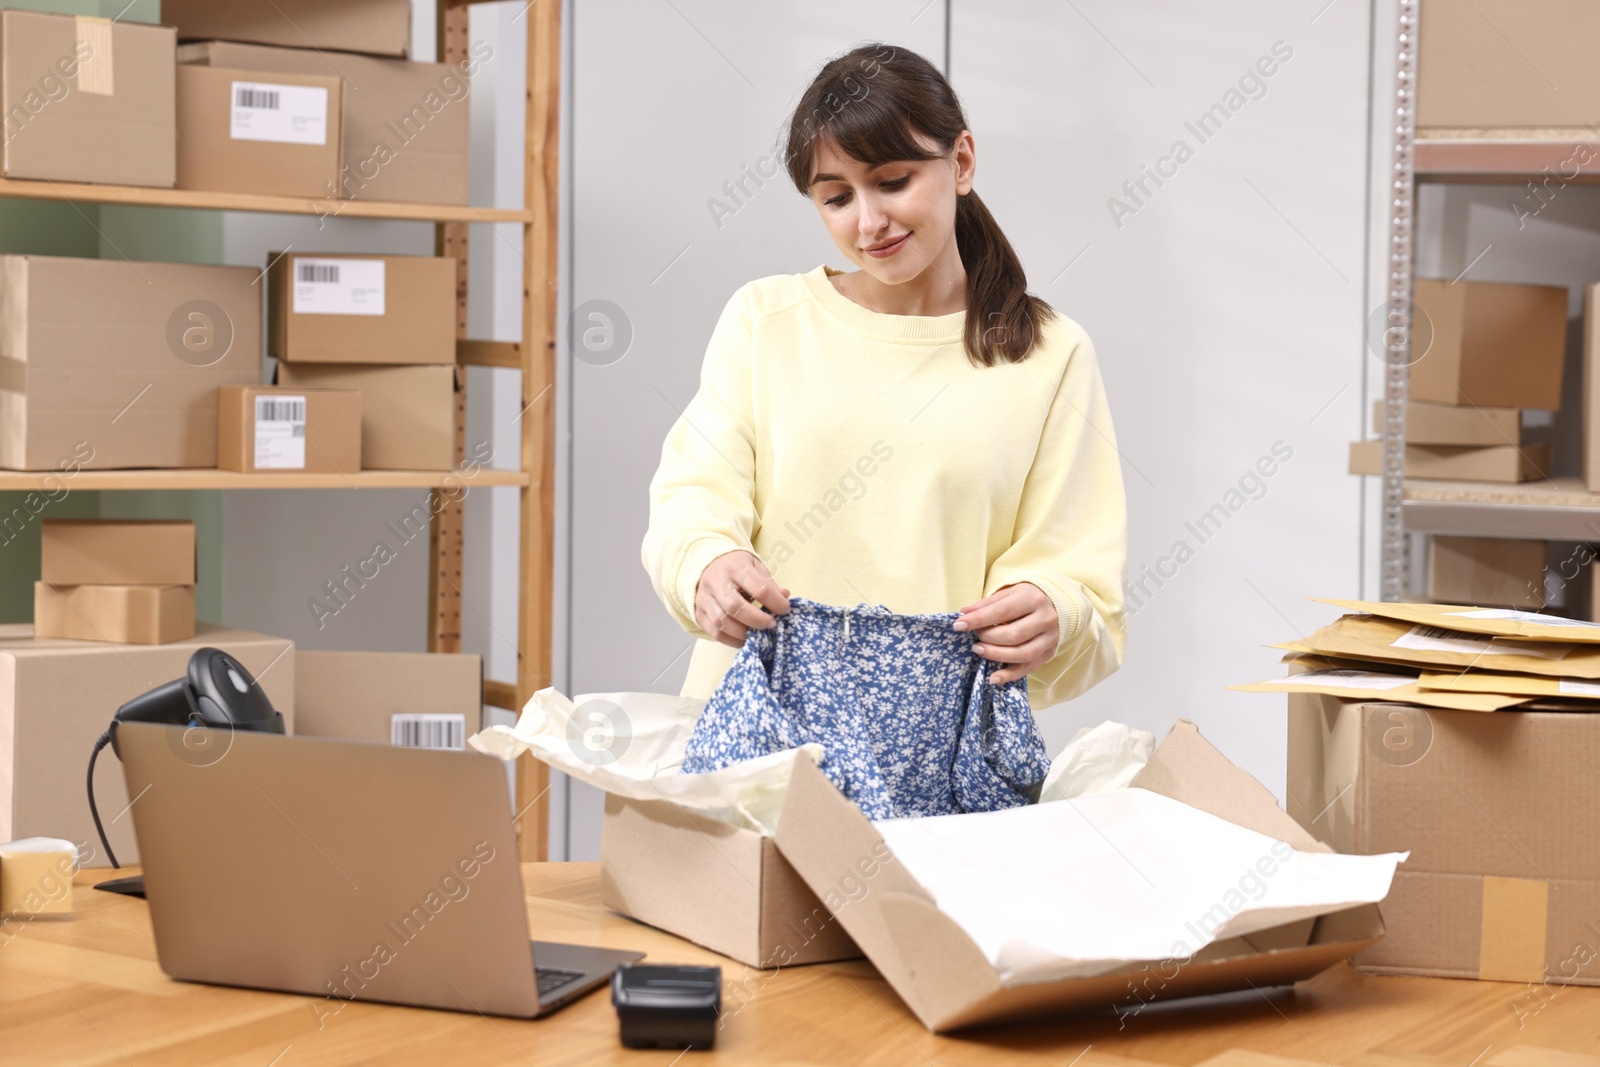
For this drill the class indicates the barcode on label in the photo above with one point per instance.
(243, 96)
(282, 409)
(1440, 633)
(428, 731)
(320, 273)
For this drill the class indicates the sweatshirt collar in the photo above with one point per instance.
(913, 329)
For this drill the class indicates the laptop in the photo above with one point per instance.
(344, 871)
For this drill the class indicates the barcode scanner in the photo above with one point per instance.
(215, 697)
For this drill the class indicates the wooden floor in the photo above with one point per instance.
(87, 990)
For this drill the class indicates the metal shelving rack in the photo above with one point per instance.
(534, 356)
(1559, 509)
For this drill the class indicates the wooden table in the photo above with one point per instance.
(86, 989)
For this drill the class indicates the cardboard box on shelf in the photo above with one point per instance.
(116, 364)
(1489, 344)
(243, 131)
(87, 99)
(1507, 904)
(1498, 463)
(947, 981)
(1494, 571)
(57, 696)
(1447, 424)
(376, 27)
(406, 124)
(126, 614)
(117, 551)
(271, 428)
(718, 885)
(1591, 388)
(415, 699)
(361, 309)
(408, 414)
(1472, 76)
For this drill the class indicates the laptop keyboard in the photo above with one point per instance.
(551, 979)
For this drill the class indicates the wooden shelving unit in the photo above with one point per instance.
(212, 478)
(1560, 509)
(534, 356)
(276, 205)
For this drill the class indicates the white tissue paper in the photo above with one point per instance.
(631, 744)
(1086, 885)
(1097, 758)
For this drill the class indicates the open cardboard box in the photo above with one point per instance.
(948, 982)
(716, 884)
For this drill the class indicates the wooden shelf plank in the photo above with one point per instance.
(281, 205)
(1561, 509)
(1507, 156)
(212, 478)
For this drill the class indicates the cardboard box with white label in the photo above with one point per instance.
(271, 428)
(353, 308)
(412, 699)
(87, 99)
(57, 696)
(406, 124)
(408, 414)
(244, 131)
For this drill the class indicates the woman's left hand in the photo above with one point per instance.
(1017, 626)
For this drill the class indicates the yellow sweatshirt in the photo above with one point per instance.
(865, 459)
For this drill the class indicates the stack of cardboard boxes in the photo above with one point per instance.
(339, 114)
(124, 581)
(1481, 353)
(384, 326)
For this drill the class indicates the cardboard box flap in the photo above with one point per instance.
(946, 980)
(1186, 767)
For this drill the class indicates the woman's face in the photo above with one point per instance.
(896, 219)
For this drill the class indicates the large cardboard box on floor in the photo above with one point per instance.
(117, 551)
(718, 885)
(362, 309)
(1488, 344)
(1507, 63)
(412, 699)
(408, 414)
(58, 696)
(117, 364)
(87, 99)
(1498, 811)
(377, 27)
(1497, 571)
(241, 131)
(270, 428)
(406, 124)
(944, 977)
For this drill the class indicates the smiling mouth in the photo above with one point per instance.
(889, 247)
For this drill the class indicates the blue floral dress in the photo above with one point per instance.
(901, 705)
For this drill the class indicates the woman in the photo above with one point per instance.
(919, 433)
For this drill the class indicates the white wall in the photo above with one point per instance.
(1226, 311)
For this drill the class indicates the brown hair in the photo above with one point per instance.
(868, 102)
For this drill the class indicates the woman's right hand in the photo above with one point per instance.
(722, 600)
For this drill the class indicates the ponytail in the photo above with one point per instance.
(1004, 320)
